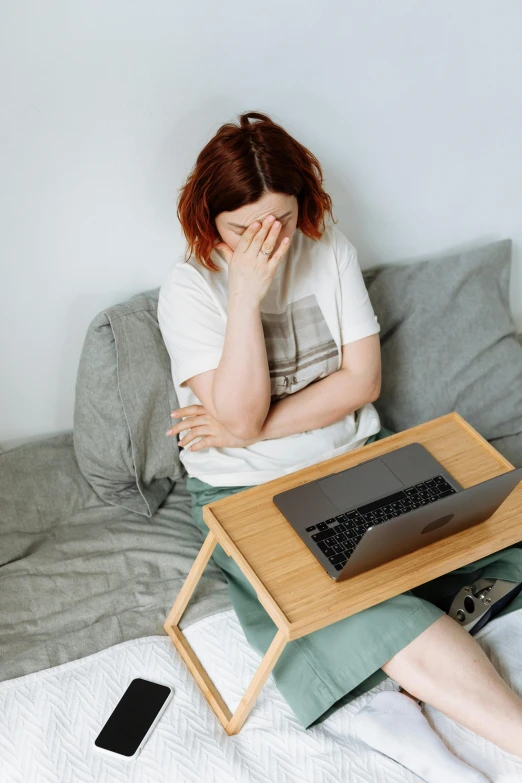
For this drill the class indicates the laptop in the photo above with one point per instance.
(384, 508)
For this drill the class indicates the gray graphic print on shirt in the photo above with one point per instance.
(299, 345)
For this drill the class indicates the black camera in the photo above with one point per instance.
(476, 604)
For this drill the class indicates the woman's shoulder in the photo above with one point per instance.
(186, 273)
(188, 285)
(179, 283)
(333, 243)
(339, 241)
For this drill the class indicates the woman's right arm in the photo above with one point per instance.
(241, 391)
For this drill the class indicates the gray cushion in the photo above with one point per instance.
(510, 447)
(449, 343)
(124, 397)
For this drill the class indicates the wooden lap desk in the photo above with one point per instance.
(291, 584)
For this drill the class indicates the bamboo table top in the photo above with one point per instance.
(291, 584)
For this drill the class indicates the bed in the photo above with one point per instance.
(96, 539)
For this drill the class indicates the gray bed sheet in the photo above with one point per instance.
(78, 575)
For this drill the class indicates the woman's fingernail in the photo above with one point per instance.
(168, 432)
(174, 414)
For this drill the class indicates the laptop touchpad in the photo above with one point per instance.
(362, 484)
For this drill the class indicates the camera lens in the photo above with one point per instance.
(469, 604)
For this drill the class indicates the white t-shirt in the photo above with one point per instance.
(316, 303)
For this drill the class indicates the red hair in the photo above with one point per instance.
(238, 166)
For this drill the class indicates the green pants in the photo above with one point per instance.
(319, 673)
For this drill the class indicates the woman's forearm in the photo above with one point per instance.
(317, 405)
(241, 390)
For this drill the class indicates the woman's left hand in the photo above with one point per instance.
(202, 425)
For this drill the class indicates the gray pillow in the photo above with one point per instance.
(449, 342)
(510, 447)
(124, 397)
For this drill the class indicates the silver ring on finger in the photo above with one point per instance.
(266, 252)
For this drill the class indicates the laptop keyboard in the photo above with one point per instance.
(338, 536)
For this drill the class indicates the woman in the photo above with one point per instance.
(276, 363)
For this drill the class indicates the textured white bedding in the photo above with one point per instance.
(49, 719)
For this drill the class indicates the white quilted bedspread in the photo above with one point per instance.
(49, 719)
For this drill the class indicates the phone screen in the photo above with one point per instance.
(132, 717)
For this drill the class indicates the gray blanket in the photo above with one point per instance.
(78, 575)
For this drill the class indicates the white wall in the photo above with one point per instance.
(414, 110)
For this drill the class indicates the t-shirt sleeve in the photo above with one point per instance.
(192, 327)
(358, 318)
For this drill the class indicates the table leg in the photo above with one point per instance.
(232, 723)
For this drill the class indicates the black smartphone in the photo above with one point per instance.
(131, 722)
